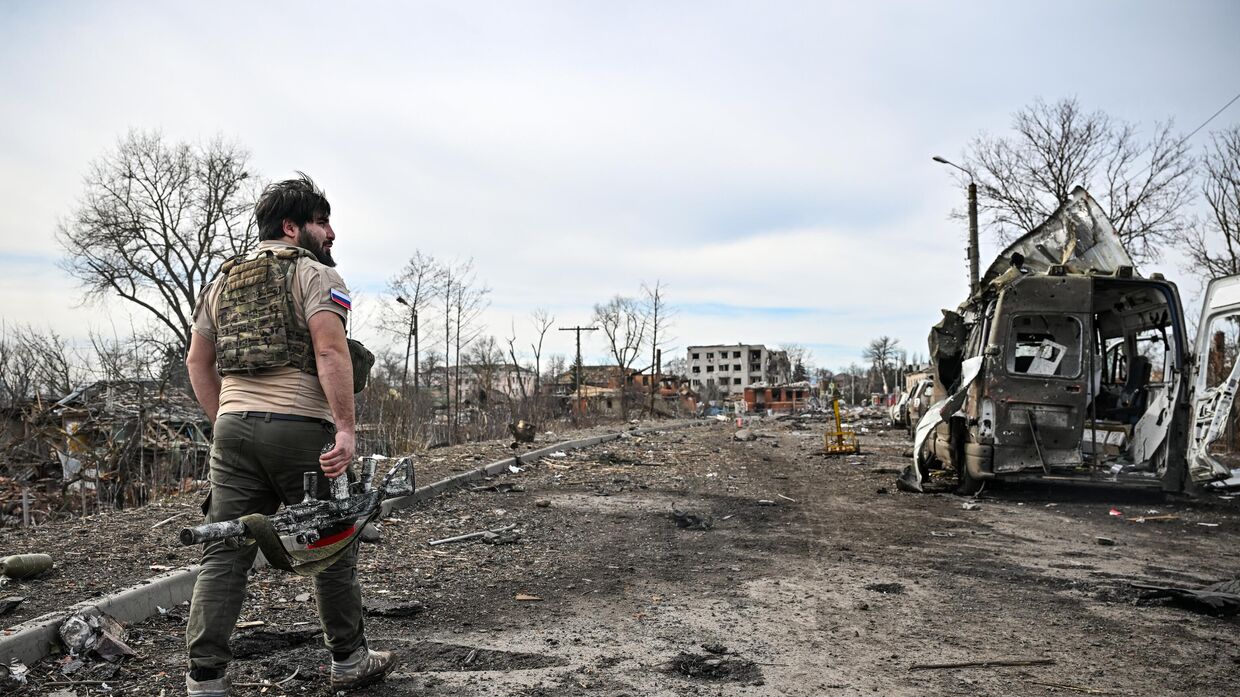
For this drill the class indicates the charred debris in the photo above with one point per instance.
(108, 444)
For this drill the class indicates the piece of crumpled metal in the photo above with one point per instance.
(100, 635)
(940, 411)
(15, 671)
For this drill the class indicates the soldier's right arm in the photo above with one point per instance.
(325, 302)
(336, 376)
(203, 375)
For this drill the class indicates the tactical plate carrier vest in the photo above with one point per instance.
(256, 322)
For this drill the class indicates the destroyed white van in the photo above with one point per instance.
(1068, 364)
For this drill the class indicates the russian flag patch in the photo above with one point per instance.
(341, 299)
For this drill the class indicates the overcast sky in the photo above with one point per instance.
(769, 161)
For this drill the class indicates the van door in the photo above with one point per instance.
(1213, 447)
(1036, 379)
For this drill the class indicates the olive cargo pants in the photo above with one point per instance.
(257, 464)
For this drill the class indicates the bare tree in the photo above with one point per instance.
(155, 222)
(17, 380)
(36, 363)
(557, 364)
(511, 340)
(115, 358)
(660, 321)
(542, 322)
(882, 354)
(416, 284)
(463, 303)
(624, 323)
(431, 362)
(678, 366)
(1142, 185)
(447, 290)
(853, 371)
(1214, 243)
(139, 356)
(485, 360)
(799, 358)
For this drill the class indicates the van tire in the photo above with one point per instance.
(965, 483)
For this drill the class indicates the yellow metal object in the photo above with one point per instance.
(839, 441)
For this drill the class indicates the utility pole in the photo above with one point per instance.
(974, 279)
(577, 364)
(655, 377)
(412, 338)
(973, 253)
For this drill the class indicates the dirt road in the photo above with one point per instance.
(815, 578)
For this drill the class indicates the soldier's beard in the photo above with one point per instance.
(313, 246)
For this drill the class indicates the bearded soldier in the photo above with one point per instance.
(269, 364)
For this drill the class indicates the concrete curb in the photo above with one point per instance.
(33, 639)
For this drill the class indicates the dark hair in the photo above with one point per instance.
(298, 200)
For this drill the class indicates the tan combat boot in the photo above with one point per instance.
(363, 667)
(218, 687)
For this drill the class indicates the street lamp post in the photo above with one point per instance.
(973, 251)
(413, 333)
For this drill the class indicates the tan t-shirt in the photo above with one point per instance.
(280, 390)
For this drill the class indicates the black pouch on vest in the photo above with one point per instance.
(362, 360)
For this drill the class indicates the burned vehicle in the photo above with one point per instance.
(897, 414)
(919, 401)
(1066, 363)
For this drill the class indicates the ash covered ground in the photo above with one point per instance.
(690, 563)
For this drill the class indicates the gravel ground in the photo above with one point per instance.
(814, 577)
(100, 554)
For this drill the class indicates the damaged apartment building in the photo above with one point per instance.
(724, 371)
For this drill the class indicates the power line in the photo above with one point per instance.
(1182, 141)
(1207, 121)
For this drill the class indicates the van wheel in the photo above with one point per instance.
(965, 483)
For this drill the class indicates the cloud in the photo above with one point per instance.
(770, 162)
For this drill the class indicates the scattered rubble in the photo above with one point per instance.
(1220, 599)
(15, 672)
(502, 535)
(95, 635)
(692, 520)
(522, 432)
(714, 669)
(24, 566)
(254, 643)
(384, 608)
(778, 583)
(9, 603)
